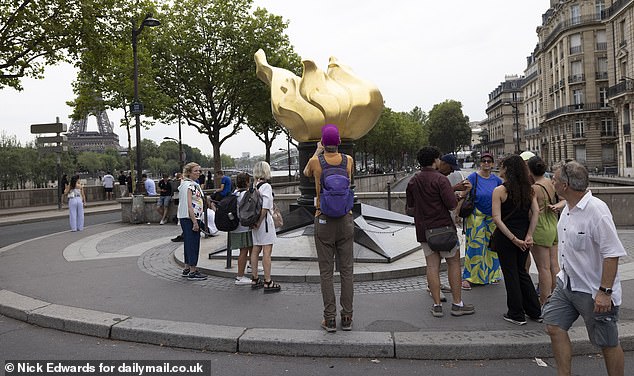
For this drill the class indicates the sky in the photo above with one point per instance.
(419, 53)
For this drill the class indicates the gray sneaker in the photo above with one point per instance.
(466, 309)
(436, 311)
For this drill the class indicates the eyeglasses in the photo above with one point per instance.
(486, 161)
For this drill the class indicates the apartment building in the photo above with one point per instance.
(532, 92)
(619, 21)
(576, 121)
(504, 125)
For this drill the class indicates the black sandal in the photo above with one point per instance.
(271, 286)
(256, 283)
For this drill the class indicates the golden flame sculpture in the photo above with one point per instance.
(304, 105)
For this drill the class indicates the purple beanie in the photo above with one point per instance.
(330, 135)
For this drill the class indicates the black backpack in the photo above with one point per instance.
(227, 213)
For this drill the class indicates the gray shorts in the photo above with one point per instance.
(163, 201)
(428, 252)
(565, 306)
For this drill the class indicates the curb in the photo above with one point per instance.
(463, 345)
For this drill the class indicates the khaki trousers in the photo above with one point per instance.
(334, 238)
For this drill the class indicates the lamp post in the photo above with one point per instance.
(181, 160)
(516, 126)
(136, 108)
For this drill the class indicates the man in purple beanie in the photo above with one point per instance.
(334, 234)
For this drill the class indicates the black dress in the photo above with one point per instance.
(521, 297)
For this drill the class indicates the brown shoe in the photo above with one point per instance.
(329, 325)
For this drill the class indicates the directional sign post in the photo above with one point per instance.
(53, 144)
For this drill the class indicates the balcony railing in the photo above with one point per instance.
(579, 135)
(581, 107)
(575, 50)
(624, 86)
(608, 133)
(601, 46)
(576, 78)
(626, 128)
(601, 75)
(614, 8)
(571, 23)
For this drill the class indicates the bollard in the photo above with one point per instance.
(138, 209)
(389, 196)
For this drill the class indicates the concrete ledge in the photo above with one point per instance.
(18, 306)
(75, 320)
(178, 334)
(317, 343)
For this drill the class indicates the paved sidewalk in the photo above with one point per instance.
(123, 281)
(37, 213)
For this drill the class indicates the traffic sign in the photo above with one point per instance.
(136, 108)
(51, 140)
(53, 149)
(48, 128)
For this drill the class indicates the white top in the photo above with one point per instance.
(586, 236)
(108, 181)
(197, 199)
(260, 235)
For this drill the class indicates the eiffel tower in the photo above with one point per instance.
(80, 139)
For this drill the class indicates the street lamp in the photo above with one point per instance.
(516, 126)
(288, 156)
(136, 108)
(181, 160)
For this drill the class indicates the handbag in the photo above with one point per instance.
(468, 206)
(276, 213)
(442, 239)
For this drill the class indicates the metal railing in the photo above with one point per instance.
(614, 8)
(624, 86)
(581, 107)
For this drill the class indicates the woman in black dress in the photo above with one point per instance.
(515, 213)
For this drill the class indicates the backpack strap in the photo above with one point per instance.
(325, 165)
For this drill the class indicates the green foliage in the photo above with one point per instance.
(448, 127)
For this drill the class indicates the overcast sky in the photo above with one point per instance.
(419, 53)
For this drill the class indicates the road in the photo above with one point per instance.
(25, 231)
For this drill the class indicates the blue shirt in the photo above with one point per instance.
(484, 191)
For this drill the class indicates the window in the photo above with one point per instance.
(603, 97)
(579, 129)
(607, 128)
(599, 5)
(577, 71)
(602, 68)
(580, 153)
(628, 154)
(601, 40)
(608, 153)
(577, 98)
(575, 43)
(622, 33)
(575, 14)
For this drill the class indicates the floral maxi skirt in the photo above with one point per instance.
(481, 265)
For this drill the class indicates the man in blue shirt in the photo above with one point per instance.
(225, 186)
(150, 187)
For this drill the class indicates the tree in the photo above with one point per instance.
(204, 59)
(34, 34)
(448, 127)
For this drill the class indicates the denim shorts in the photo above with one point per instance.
(163, 201)
(565, 306)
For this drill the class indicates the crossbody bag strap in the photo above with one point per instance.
(547, 194)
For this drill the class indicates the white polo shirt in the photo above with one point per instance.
(587, 235)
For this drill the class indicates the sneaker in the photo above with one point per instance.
(179, 238)
(329, 325)
(242, 281)
(185, 272)
(260, 268)
(436, 311)
(346, 323)
(196, 276)
(162, 222)
(513, 321)
(443, 298)
(466, 309)
(537, 319)
(445, 288)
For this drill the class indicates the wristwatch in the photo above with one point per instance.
(607, 291)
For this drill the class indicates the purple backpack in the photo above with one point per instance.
(336, 198)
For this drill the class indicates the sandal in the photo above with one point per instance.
(466, 285)
(256, 283)
(271, 286)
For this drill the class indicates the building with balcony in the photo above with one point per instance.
(572, 64)
(532, 92)
(505, 117)
(619, 21)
